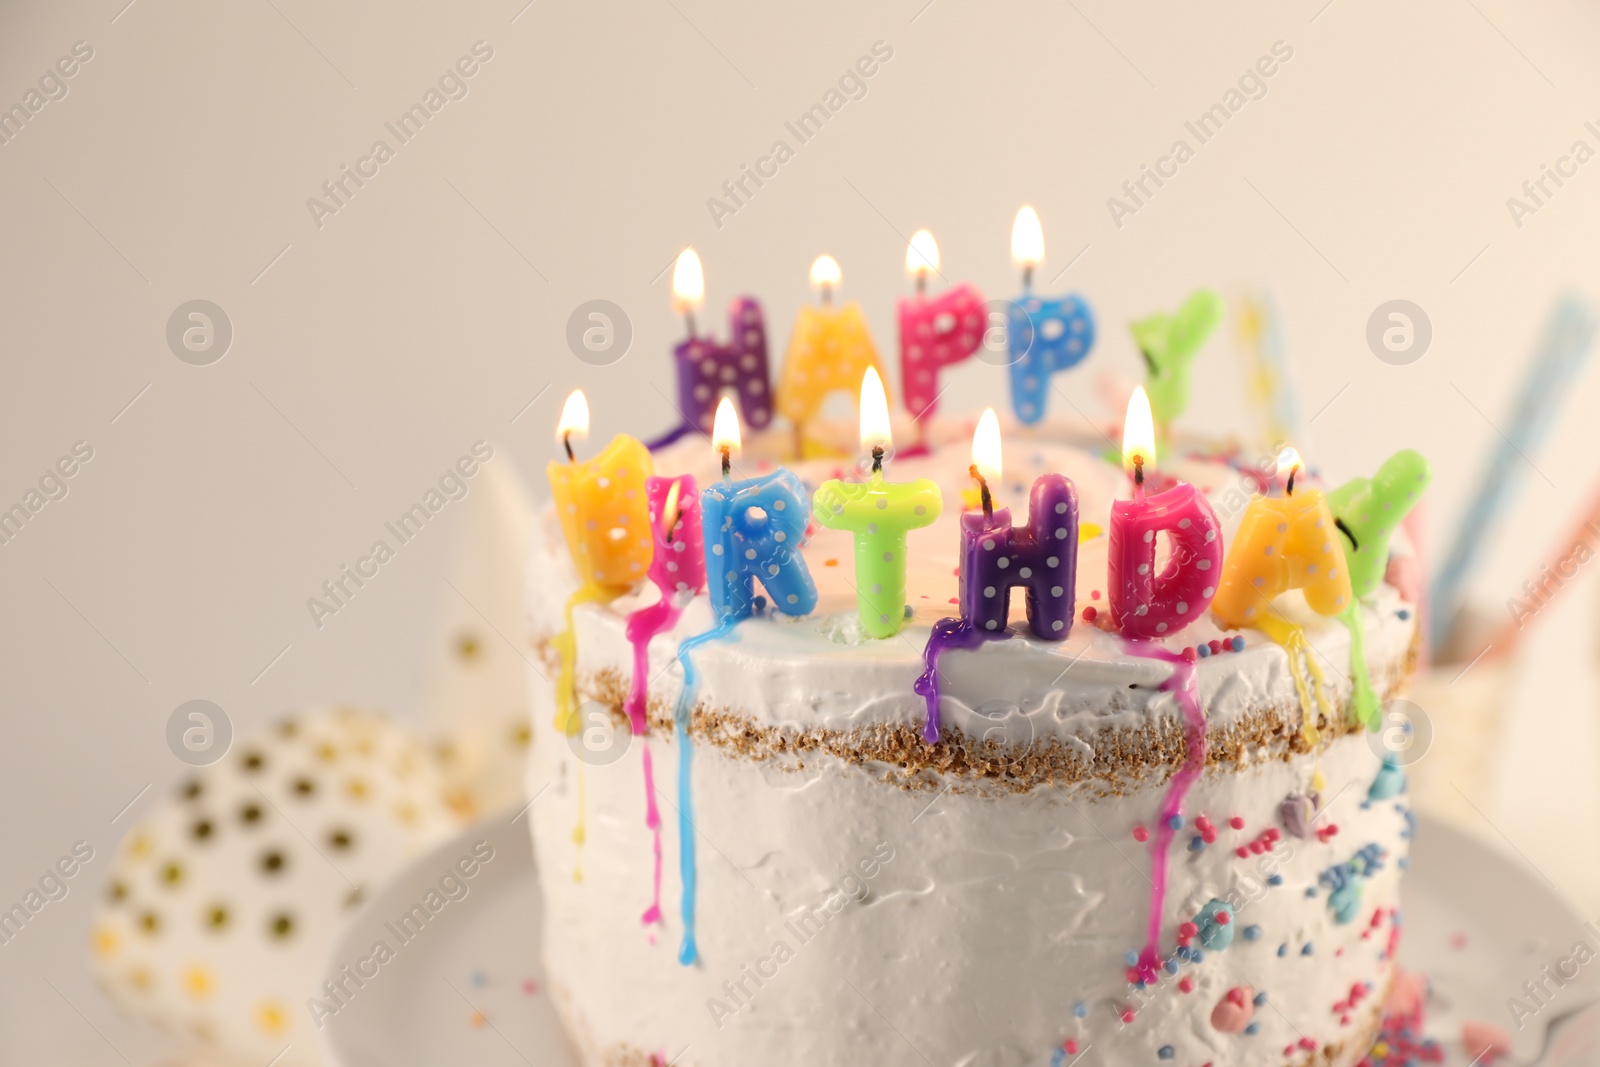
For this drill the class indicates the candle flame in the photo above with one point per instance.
(1288, 460)
(922, 255)
(669, 510)
(1027, 238)
(986, 446)
(725, 427)
(574, 417)
(1138, 432)
(874, 412)
(688, 282)
(825, 273)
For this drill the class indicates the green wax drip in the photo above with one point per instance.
(1363, 701)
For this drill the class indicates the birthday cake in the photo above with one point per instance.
(798, 818)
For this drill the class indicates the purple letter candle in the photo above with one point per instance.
(1041, 556)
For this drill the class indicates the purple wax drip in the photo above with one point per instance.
(947, 633)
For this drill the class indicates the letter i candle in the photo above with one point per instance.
(678, 570)
(754, 530)
(1041, 556)
(1150, 606)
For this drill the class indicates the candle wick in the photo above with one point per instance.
(727, 461)
(827, 296)
(1354, 547)
(1138, 472)
(688, 317)
(672, 528)
(922, 283)
(877, 459)
(566, 442)
(1288, 490)
(983, 492)
(1027, 277)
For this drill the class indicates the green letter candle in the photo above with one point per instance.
(880, 513)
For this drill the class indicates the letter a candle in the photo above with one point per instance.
(1284, 543)
(1148, 606)
(880, 513)
(1041, 556)
(829, 351)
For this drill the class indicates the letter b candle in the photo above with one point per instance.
(1041, 556)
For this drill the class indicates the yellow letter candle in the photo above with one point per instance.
(830, 350)
(879, 513)
(1283, 543)
(606, 521)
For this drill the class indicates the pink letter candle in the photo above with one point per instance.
(935, 332)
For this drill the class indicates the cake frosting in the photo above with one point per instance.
(862, 895)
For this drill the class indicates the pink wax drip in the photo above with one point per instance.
(678, 570)
(1181, 683)
(947, 633)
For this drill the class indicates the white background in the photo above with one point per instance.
(372, 351)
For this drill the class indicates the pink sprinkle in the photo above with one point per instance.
(1458, 940)
(1127, 1015)
(1094, 594)
(1140, 834)
(1243, 852)
(1186, 984)
(1089, 613)
(1308, 1043)
(1344, 1020)
(1202, 823)
(1190, 654)
(1237, 822)
(1209, 836)
(1223, 918)
(1070, 1047)
(953, 600)
(1216, 647)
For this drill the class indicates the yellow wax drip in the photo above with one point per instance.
(1292, 639)
(579, 832)
(567, 722)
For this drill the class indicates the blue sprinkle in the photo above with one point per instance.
(1283, 949)
(1275, 879)
(1139, 984)
(1311, 891)
(1196, 843)
(1196, 956)
(1404, 614)
(1405, 863)
(1132, 957)
(1080, 1009)
(1238, 644)
(477, 978)
(1309, 950)
(1253, 1029)
(1261, 998)
(1252, 933)
(1171, 967)
(1175, 821)
(1203, 649)
(1166, 1052)
(1058, 1057)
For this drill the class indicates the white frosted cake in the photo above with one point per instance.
(862, 896)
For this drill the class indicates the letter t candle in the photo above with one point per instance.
(879, 513)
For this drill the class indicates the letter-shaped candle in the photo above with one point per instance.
(934, 332)
(829, 351)
(706, 369)
(879, 513)
(1144, 603)
(1044, 334)
(754, 530)
(1169, 344)
(678, 570)
(1041, 556)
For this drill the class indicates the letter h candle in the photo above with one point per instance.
(707, 370)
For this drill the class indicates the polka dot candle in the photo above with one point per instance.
(829, 351)
(936, 332)
(879, 513)
(1043, 335)
(708, 370)
(1041, 556)
(1283, 543)
(1144, 603)
(754, 531)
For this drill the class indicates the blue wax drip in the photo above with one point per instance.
(689, 952)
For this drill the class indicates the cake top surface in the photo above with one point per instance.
(821, 669)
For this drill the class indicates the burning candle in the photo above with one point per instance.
(879, 513)
(754, 529)
(935, 332)
(1169, 344)
(604, 518)
(1045, 335)
(678, 569)
(1144, 603)
(1041, 556)
(708, 370)
(1283, 543)
(830, 350)
(1367, 513)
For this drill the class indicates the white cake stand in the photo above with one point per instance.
(1476, 923)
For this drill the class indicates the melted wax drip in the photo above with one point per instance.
(1181, 683)
(947, 634)
(689, 951)
(643, 625)
(567, 722)
(1292, 639)
(1363, 702)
